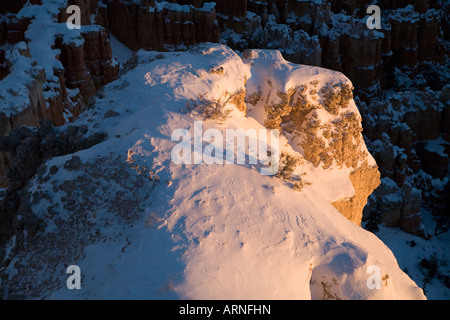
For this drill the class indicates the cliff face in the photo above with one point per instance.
(408, 140)
(158, 27)
(49, 76)
(365, 180)
(342, 41)
(322, 123)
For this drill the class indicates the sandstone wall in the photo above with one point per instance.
(147, 26)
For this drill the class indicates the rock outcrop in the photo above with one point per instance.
(407, 135)
(98, 206)
(409, 54)
(365, 180)
(53, 80)
(313, 33)
(324, 124)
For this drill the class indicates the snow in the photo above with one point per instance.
(410, 250)
(437, 146)
(10, 246)
(14, 87)
(40, 37)
(119, 50)
(164, 5)
(406, 14)
(283, 75)
(207, 231)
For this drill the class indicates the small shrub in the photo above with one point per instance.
(431, 270)
(288, 164)
(300, 184)
(447, 281)
(412, 243)
(212, 109)
(431, 265)
(254, 98)
(374, 221)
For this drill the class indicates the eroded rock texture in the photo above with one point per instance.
(325, 127)
(160, 25)
(51, 74)
(399, 72)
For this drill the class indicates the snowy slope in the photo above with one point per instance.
(142, 227)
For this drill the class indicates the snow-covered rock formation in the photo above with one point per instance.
(48, 71)
(408, 54)
(141, 226)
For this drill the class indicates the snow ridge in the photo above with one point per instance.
(194, 231)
